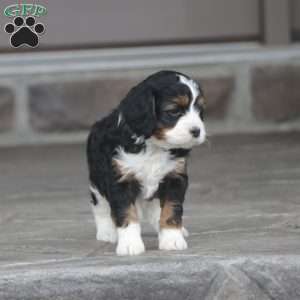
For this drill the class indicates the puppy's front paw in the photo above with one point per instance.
(130, 247)
(130, 241)
(172, 239)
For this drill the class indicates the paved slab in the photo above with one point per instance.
(242, 211)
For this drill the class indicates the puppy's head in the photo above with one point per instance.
(167, 107)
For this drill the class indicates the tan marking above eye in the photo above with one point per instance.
(182, 101)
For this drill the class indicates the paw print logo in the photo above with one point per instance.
(24, 32)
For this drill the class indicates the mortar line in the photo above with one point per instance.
(22, 111)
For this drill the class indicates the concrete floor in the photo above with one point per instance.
(242, 211)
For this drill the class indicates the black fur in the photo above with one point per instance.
(140, 111)
(179, 152)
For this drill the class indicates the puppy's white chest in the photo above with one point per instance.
(149, 166)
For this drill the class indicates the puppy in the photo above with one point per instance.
(137, 159)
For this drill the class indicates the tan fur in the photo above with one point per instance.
(132, 216)
(160, 133)
(166, 216)
(182, 101)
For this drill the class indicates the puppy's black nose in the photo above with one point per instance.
(195, 132)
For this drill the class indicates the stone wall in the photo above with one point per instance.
(244, 96)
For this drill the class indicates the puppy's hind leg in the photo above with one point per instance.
(152, 213)
(129, 233)
(106, 228)
(126, 216)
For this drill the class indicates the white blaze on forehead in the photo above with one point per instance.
(192, 86)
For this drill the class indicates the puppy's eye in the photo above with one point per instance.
(175, 113)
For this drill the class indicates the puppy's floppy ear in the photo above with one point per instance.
(138, 110)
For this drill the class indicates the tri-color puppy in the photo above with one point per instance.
(137, 162)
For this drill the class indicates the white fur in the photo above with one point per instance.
(130, 241)
(106, 229)
(120, 118)
(171, 239)
(192, 86)
(149, 166)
